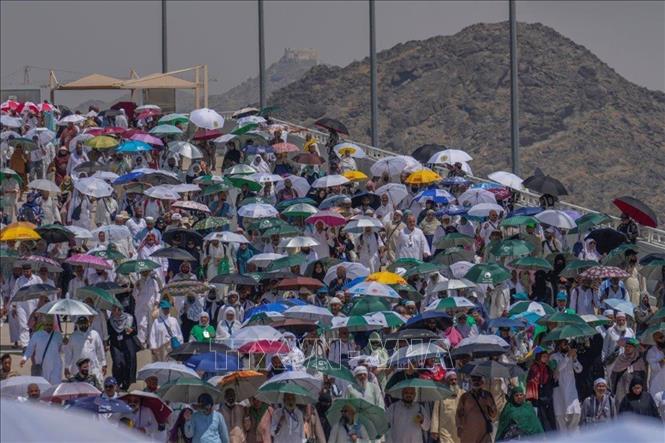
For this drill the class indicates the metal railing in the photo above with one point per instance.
(652, 236)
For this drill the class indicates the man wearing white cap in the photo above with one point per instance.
(411, 242)
(599, 407)
(408, 419)
(444, 424)
(366, 390)
(616, 336)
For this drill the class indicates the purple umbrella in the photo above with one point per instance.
(147, 138)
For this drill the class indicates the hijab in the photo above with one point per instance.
(121, 323)
(523, 416)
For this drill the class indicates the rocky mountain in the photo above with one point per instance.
(580, 121)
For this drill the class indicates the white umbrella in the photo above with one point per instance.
(146, 107)
(329, 181)
(459, 303)
(79, 233)
(258, 210)
(44, 135)
(301, 378)
(474, 196)
(460, 268)
(263, 177)
(14, 387)
(113, 232)
(359, 223)
(240, 169)
(105, 175)
(72, 118)
(484, 339)
(183, 187)
(264, 259)
(11, 122)
(483, 209)
(300, 184)
(396, 192)
(66, 306)
(507, 179)
(227, 237)
(453, 284)
(249, 334)
(44, 185)
(93, 187)
(79, 138)
(4, 135)
(185, 149)
(355, 150)
(206, 118)
(162, 193)
(247, 110)
(394, 165)
(309, 313)
(353, 271)
(242, 121)
(626, 428)
(556, 218)
(449, 156)
(301, 242)
(166, 371)
(91, 114)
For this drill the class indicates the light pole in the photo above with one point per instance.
(262, 59)
(164, 50)
(514, 102)
(372, 64)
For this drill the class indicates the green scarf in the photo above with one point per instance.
(257, 414)
(521, 415)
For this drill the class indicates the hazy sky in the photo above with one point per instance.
(111, 37)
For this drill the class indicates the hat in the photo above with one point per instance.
(561, 295)
(335, 301)
(82, 361)
(176, 217)
(110, 381)
(450, 374)
(410, 303)
(620, 315)
(26, 266)
(524, 296)
(599, 381)
(399, 212)
(164, 304)
(633, 341)
(607, 312)
(204, 314)
(150, 219)
(360, 369)
(122, 215)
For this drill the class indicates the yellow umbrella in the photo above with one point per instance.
(19, 233)
(355, 175)
(23, 224)
(387, 278)
(423, 177)
(102, 142)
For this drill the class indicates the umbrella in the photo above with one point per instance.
(453, 284)
(101, 405)
(512, 248)
(328, 181)
(151, 401)
(310, 313)
(66, 306)
(355, 175)
(185, 149)
(328, 218)
(101, 299)
(173, 119)
(371, 416)
(185, 351)
(69, 391)
(184, 288)
(341, 149)
(190, 206)
(519, 220)
(301, 242)
(147, 138)
(207, 134)
(637, 210)
(264, 347)
(561, 318)
(166, 371)
(161, 193)
(282, 148)
(647, 335)
(300, 210)
(287, 262)
(133, 147)
(18, 233)
(374, 289)
(264, 259)
(31, 292)
(569, 332)
(93, 187)
(206, 118)
(329, 368)
(165, 130)
(589, 220)
(505, 322)
(55, 233)
(273, 393)
(258, 210)
(226, 237)
(390, 319)
(235, 279)
(481, 346)
(11, 122)
(454, 239)
(449, 156)
(184, 235)
(298, 282)
(332, 124)
(653, 270)
(214, 362)
(487, 273)
(394, 165)
(426, 390)
(544, 184)
(357, 323)
(88, 260)
(131, 266)
(531, 264)
(424, 269)
(621, 305)
(387, 278)
(603, 272)
(484, 209)
(14, 387)
(44, 185)
(353, 271)
(101, 142)
(539, 308)
(251, 334)
(507, 179)
(556, 218)
(422, 177)
(37, 262)
(173, 254)
(187, 390)
(244, 383)
(420, 321)
(211, 223)
(415, 351)
(396, 192)
(490, 369)
(453, 303)
(596, 320)
(358, 224)
(439, 196)
(373, 200)
(369, 305)
(576, 267)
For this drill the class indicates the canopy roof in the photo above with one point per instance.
(92, 81)
(152, 81)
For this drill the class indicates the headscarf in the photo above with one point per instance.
(180, 425)
(589, 253)
(121, 323)
(523, 416)
(194, 309)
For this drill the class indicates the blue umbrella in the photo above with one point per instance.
(440, 196)
(487, 185)
(268, 307)
(262, 149)
(452, 210)
(214, 362)
(504, 322)
(288, 302)
(449, 181)
(332, 200)
(527, 210)
(133, 146)
(621, 305)
(419, 320)
(129, 177)
(354, 282)
(100, 405)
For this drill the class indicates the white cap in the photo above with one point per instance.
(360, 369)
(607, 312)
(620, 315)
(335, 300)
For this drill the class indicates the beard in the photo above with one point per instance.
(621, 328)
(454, 389)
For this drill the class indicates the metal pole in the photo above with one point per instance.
(514, 102)
(262, 59)
(372, 64)
(164, 51)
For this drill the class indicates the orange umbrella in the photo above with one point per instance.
(245, 383)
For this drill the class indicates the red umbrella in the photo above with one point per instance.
(10, 105)
(500, 193)
(46, 107)
(127, 134)
(151, 401)
(637, 210)
(264, 347)
(128, 107)
(207, 134)
(298, 282)
(30, 106)
(145, 113)
(602, 272)
(281, 148)
(114, 130)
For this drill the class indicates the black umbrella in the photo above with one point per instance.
(182, 236)
(185, 351)
(637, 210)
(424, 152)
(55, 233)
(374, 200)
(478, 350)
(492, 369)
(90, 167)
(327, 262)
(607, 239)
(32, 292)
(545, 184)
(234, 279)
(173, 254)
(278, 275)
(331, 123)
(160, 178)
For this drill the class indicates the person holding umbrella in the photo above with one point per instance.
(629, 228)
(288, 422)
(142, 416)
(408, 419)
(628, 364)
(475, 414)
(85, 343)
(540, 386)
(348, 428)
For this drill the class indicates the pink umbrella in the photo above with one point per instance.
(190, 205)
(145, 113)
(602, 272)
(69, 391)
(114, 130)
(30, 106)
(147, 138)
(281, 148)
(328, 218)
(131, 132)
(10, 105)
(46, 107)
(207, 134)
(88, 260)
(264, 347)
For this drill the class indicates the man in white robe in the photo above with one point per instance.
(408, 419)
(491, 225)
(567, 409)
(145, 250)
(51, 210)
(656, 359)
(137, 222)
(77, 282)
(44, 349)
(584, 299)
(411, 242)
(146, 296)
(369, 248)
(20, 311)
(163, 330)
(325, 239)
(85, 343)
(616, 335)
(365, 389)
(288, 424)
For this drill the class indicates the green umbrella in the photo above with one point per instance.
(405, 263)
(531, 264)
(287, 262)
(266, 223)
(55, 233)
(646, 337)
(452, 255)
(616, 256)
(136, 266)
(512, 248)
(273, 393)
(426, 390)
(653, 270)
(25, 142)
(209, 223)
(576, 267)
(411, 292)
(239, 182)
(174, 119)
(596, 320)
(101, 299)
(282, 231)
(561, 318)
(215, 188)
(329, 368)
(294, 201)
(357, 323)
(522, 306)
(187, 390)
(425, 268)
(244, 129)
(391, 318)
(589, 220)
(109, 254)
(241, 169)
(299, 210)
(487, 273)
(519, 220)
(368, 304)
(454, 239)
(7, 174)
(570, 331)
(371, 416)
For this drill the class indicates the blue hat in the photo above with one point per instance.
(521, 296)
(562, 296)
(164, 304)
(110, 381)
